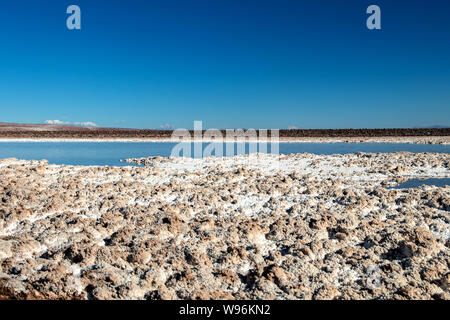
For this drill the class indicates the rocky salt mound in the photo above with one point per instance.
(248, 227)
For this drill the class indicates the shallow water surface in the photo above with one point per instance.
(414, 183)
(110, 153)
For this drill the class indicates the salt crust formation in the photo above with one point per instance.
(302, 226)
(441, 140)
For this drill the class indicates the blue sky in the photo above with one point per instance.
(258, 63)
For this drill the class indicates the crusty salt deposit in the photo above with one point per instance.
(301, 226)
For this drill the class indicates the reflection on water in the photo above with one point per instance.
(414, 183)
(110, 153)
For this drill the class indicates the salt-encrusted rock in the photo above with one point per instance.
(247, 227)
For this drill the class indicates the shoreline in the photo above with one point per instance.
(442, 140)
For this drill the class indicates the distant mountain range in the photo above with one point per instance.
(11, 127)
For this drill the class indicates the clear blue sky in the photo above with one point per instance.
(260, 64)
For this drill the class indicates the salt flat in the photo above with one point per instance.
(301, 226)
(443, 140)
